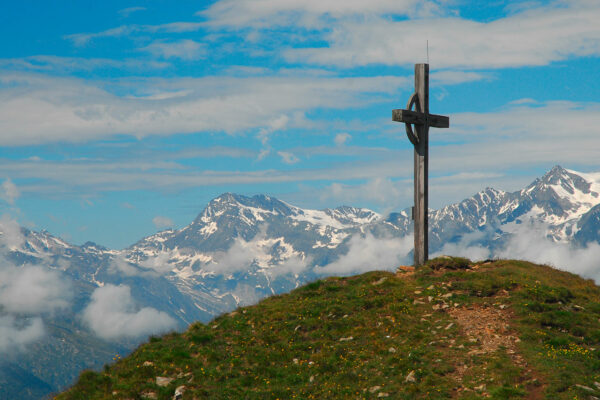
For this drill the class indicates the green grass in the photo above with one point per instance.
(361, 336)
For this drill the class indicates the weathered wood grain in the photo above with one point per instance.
(421, 120)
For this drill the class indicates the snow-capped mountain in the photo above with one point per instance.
(240, 249)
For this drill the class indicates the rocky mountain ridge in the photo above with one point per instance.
(241, 249)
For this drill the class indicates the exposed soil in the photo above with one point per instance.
(489, 327)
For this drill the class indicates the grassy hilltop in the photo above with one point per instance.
(504, 329)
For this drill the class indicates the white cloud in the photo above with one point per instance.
(10, 233)
(82, 39)
(119, 265)
(466, 247)
(369, 253)
(112, 314)
(242, 254)
(61, 109)
(528, 242)
(126, 12)
(16, 334)
(341, 138)
(184, 49)
(162, 222)
(536, 36)
(520, 135)
(159, 264)
(381, 191)
(308, 13)
(9, 191)
(61, 65)
(239, 257)
(32, 289)
(288, 157)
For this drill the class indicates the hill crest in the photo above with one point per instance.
(502, 329)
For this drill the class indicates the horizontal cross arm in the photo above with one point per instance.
(417, 118)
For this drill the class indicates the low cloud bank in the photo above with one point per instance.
(368, 253)
(242, 254)
(15, 334)
(26, 292)
(113, 314)
(32, 289)
(528, 242)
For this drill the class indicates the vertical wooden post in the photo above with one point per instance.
(422, 120)
(421, 219)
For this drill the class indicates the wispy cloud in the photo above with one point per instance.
(310, 13)
(162, 222)
(287, 157)
(184, 49)
(17, 334)
(82, 39)
(61, 109)
(9, 191)
(360, 35)
(63, 65)
(126, 12)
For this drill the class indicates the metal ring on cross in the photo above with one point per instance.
(413, 101)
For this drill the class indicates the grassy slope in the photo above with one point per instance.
(360, 337)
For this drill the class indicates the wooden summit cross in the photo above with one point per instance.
(422, 120)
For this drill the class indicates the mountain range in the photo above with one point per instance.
(237, 251)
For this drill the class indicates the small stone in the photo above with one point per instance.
(392, 350)
(346, 339)
(502, 306)
(410, 377)
(383, 394)
(374, 389)
(589, 389)
(163, 381)
(380, 281)
(179, 393)
(147, 364)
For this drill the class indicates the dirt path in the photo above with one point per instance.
(489, 327)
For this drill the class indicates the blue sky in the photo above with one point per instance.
(118, 119)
